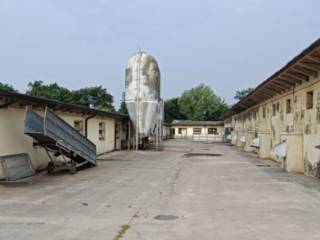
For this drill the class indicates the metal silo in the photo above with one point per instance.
(142, 96)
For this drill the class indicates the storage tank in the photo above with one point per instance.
(142, 94)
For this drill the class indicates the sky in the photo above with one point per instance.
(229, 45)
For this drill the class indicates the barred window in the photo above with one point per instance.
(197, 131)
(102, 130)
(212, 131)
(309, 100)
(78, 125)
(288, 106)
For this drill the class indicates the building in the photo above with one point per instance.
(108, 131)
(193, 129)
(284, 109)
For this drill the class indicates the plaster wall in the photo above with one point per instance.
(269, 124)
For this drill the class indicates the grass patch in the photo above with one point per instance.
(122, 231)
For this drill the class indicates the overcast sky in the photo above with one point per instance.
(226, 44)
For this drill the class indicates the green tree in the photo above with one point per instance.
(51, 91)
(98, 97)
(200, 103)
(243, 93)
(123, 107)
(7, 87)
(172, 110)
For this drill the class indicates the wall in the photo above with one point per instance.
(301, 122)
(13, 140)
(107, 144)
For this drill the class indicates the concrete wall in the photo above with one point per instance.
(14, 141)
(301, 126)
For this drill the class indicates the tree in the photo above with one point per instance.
(200, 103)
(7, 87)
(96, 97)
(172, 110)
(123, 107)
(51, 91)
(243, 93)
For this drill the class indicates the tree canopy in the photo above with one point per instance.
(96, 97)
(172, 110)
(242, 93)
(199, 103)
(7, 87)
(123, 107)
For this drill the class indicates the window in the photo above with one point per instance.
(264, 112)
(102, 130)
(117, 130)
(278, 106)
(197, 131)
(180, 130)
(288, 106)
(78, 125)
(172, 131)
(274, 109)
(212, 131)
(309, 100)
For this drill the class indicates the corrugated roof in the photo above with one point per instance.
(24, 100)
(196, 123)
(295, 72)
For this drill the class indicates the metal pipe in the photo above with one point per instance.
(86, 124)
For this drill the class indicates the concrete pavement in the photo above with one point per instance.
(216, 192)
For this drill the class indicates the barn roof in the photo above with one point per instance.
(10, 98)
(295, 72)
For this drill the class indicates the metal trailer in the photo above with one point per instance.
(60, 140)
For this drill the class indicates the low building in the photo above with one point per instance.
(106, 130)
(284, 110)
(194, 129)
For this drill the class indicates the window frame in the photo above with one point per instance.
(274, 110)
(309, 100)
(214, 131)
(102, 131)
(78, 125)
(288, 106)
(180, 130)
(197, 132)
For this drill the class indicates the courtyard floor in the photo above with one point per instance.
(187, 191)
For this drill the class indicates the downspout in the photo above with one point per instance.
(115, 136)
(86, 124)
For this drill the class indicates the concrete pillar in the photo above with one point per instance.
(265, 144)
(294, 159)
(234, 138)
(240, 144)
(250, 135)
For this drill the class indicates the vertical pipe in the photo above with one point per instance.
(129, 135)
